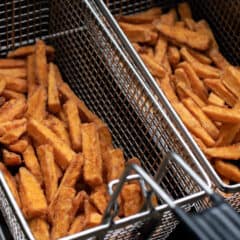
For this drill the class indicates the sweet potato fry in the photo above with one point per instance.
(160, 49)
(202, 70)
(196, 84)
(37, 104)
(206, 123)
(74, 124)
(47, 163)
(39, 228)
(143, 17)
(181, 76)
(27, 50)
(214, 99)
(155, 68)
(61, 218)
(15, 84)
(222, 114)
(14, 72)
(181, 35)
(202, 58)
(173, 55)
(78, 224)
(31, 74)
(11, 158)
(99, 200)
(9, 94)
(193, 124)
(92, 170)
(217, 87)
(31, 162)
(36, 204)
(19, 146)
(11, 183)
(12, 63)
(219, 60)
(231, 152)
(44, 135)
(228, 170)
(184, 10)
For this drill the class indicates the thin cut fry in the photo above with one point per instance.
(214, 99)
(19, 146)
(39, 228)
(31, 74)
(14, 72)
(184, 10)
(11, 159)
(12, 63)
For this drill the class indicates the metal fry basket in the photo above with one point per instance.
(223, 17)
(96, 68)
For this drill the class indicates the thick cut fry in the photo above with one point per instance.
(200, 143)
(196, 84)
(132, 199)
(46, 159)
(93, 218)
(11, 183)
(173, 55)
(15, 84)
(53, 97)
(181, 35)
(11, 159)
(35, 202)
(78, 224)
(143, 17)
(217, 87)
(202, 58)
(180, 24)
(31, 162)
(58, 127)
(193, 124)
(31, 74)
(12, 109)
(214, 99)
(155, 68)
(74, 124)
(14, 72)
(168, 18)
(202, 70)
(218, 58)
(228, 170)
(37, 104)
(58, 75)
(222, 114)
(99, 200)
(92, 169)
(12, 63)
(138, 33)
(78, 203)
(39, 228)
(62, 218)
(41, 63)
(2, 100)
(184, 10)
(231, 79)
(160, 49)
(44, 135)
(231, 152)
(19, 146)
(9, 94)
(206, 123)
(166, 64)
(27, 50)
(7, 126)
(3, 84)
(137, 47)
(182, 77)
(190, 24)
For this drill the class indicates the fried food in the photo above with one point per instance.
(39, 228)
(99, 200)
(14, 72)
(12, 63)
(182, 78)
(184, 10)
(19, 146)
(14, 84)
(9, 94)
(219, 60)
(173, 55)
(200, 57)
(79, 223)
(31, 74)
(11, 158)
(214, 99)
(160, 49)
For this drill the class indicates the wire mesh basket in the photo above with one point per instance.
(97, 70)
(226, 30)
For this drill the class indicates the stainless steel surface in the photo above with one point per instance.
(97, 69)
(226, 35)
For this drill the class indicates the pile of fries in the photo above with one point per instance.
(202, 86)
(61, 153)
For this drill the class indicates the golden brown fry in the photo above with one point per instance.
(15, 84)
(9, 94)
(160, 49)
(44, 135)
(180, 24)
(231, 152)
(182, 77)
(222, 114)
(184, 10)
(132, 199)
(190, 24)
(2, 100)
(143, 17)
(202, 70)
(41, 63)
(46, 159)
(92, 170)
(99, 200)
(219, 60)
(173, 55)
(228, 170)
(214, 99)
(181, 35)
(54, 105)
(35, 202)
(31, 74)
(166, 64)
(200, 143)
(27, 50)
(137, 47)
(12, 109)
(138, 33)
(74, 124)
(10, 158)
(37, 104)
(202, 58)
(14, 72)
(19, 146)
(58, 75)
(217, 87)
(12, 63)
(78, 203)
(31, 162)
(61, 218)
(168, 18)
(92, 217)
(206, 123)
(3, 84)
(196, 84)
(78, 224)
(193, 124)
(39, 228)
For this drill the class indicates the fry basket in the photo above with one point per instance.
(96, 68)
(223, 17)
